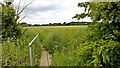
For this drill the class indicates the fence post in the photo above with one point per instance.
(30, 49)
(30, 52)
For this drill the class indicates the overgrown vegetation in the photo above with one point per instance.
(10, 27)
(97, 44)
(105, 38)
(99, 47)
(15, 41)
(61, 42)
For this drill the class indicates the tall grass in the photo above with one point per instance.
(61, 42)
(16, 53)
(68, 45)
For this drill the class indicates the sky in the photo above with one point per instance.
(50, 11)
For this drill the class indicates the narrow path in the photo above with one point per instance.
(45, 58)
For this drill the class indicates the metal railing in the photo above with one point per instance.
(30, 49)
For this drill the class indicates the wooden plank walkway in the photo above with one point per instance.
(45, 58)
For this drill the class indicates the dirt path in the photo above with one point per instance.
(45, 58)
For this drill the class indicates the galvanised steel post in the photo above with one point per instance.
(30, 49)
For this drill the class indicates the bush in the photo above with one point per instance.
(99, 53)
(10, 27)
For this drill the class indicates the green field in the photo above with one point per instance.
(84, 43)
(60, 41)
(68, 45)
(55, 39)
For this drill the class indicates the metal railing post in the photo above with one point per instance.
(30, 52)
(30, 49)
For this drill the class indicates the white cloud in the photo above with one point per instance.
(48, 11)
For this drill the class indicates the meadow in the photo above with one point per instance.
(68, 45)
(61, 42)
(95, 45)
(77, 45)
(55, 39)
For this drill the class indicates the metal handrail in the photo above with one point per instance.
(30, 49)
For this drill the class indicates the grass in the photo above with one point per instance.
(76, 46)
(16, 53)
(0, 54)
(61, 42)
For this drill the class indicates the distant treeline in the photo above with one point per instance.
(58, 24)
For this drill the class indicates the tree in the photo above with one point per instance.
(64, 23)
(106, 12)
(103, 44)
(9, 18)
